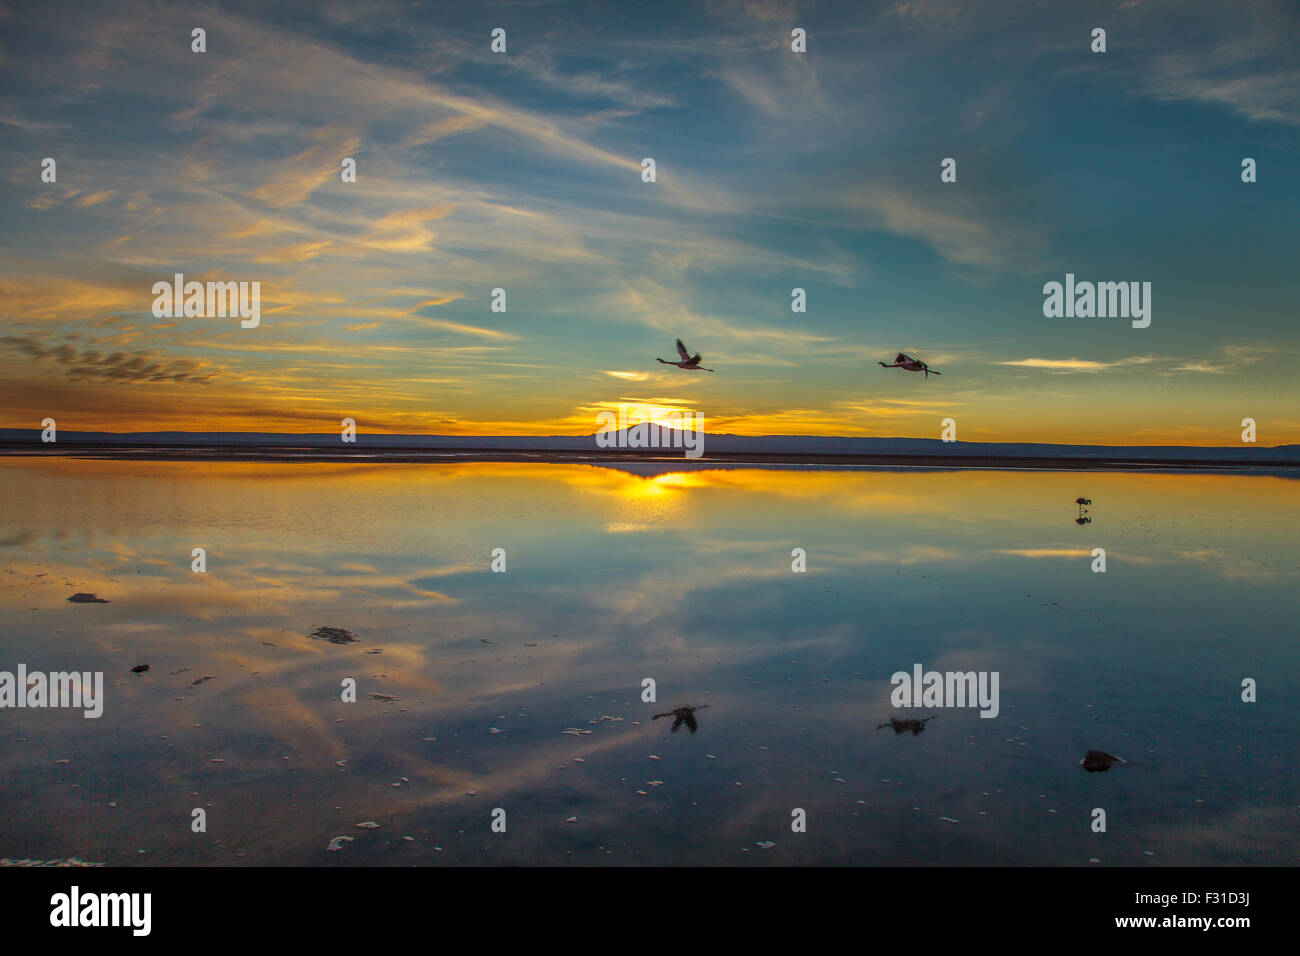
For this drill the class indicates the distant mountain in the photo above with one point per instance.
(768, 446)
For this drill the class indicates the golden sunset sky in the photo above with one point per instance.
(775, 170)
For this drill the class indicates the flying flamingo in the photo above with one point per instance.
(910, 364)
(689, 362)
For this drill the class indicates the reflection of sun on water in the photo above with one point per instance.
(682, 480)
(651, 503)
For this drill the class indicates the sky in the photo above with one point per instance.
(774, 170)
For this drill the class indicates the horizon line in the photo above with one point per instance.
(199, 436)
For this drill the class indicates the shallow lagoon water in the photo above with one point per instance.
(613, 577)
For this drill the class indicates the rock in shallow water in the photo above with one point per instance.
(1095, 761)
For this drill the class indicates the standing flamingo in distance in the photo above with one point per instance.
(910, 364)
(689, 362)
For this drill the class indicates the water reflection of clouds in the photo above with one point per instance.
(708, 605)
(1224, 837)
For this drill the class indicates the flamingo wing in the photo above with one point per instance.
(681, 350)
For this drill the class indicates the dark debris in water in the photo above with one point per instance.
(911, 723)
(684, 715)
(70, 861)
(82, 597)
(335, 635)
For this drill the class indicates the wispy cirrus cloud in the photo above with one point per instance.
(968, 231)
(1225, 359)
(1256, 78)
(1078, 365)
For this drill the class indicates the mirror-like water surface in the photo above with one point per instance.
(612, 578)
